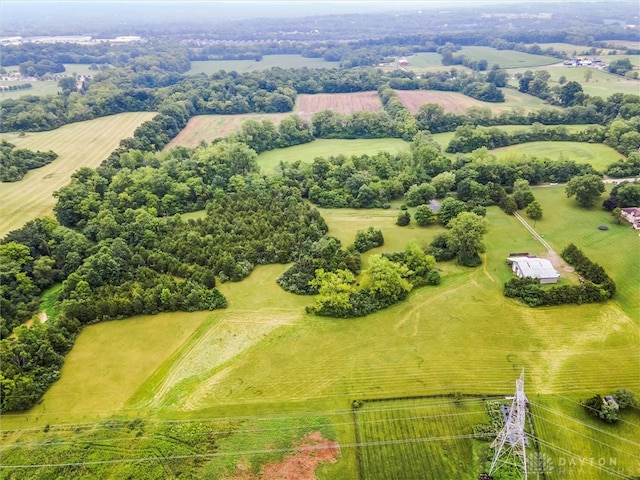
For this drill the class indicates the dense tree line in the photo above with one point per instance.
(15, 163)
(468, 138)
(596, 286)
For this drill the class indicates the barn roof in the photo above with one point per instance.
(535, 267)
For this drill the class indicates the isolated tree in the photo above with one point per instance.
(419, 194)
(571, 94)
(67, 85)
(586, 188)
(425, 216)
(465, 237)
(522, 193)
(534, 212)
(404, 219)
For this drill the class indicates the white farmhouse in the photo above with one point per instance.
(528, 266)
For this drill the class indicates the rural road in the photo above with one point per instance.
(557, 261)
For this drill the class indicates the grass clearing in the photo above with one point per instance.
(80, 69)
(269, 161)
(268, 61)
(506, 58)
(82, 144)
(597, 154)
(108, 363)
(38, 89)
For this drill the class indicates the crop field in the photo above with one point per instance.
(82, 144)
(38, 88)
(455, 102)
(506, 58)
(208, 127)
(269, 161)
(307, 105)
(419, 438)
(267, 62)
(597, 154)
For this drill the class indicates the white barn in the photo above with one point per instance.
(534, 267)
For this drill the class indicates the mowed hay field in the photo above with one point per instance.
(598, 155)
(207, 127)
(457, 103)
(82, 144)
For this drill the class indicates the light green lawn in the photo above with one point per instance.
(599, 156)
(268, 61)
(270, 160)
(38, 88)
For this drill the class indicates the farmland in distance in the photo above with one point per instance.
(82, 144)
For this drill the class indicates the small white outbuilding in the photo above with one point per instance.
(534, 267)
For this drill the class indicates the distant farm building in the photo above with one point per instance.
(531, 266)
(403, 62)
(631, 215)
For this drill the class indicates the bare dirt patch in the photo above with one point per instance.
(344, 103)
(312, 450)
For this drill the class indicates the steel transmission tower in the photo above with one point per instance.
(510, 444)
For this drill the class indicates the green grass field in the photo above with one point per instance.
(598, 155)
(38, 89)
(79, 69)
(270, 160)
(505, 58)
(268, 61)
(264, 358)
(417, 439)
(82, 144)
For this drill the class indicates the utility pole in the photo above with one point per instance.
(510, 444)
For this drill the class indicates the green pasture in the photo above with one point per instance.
(576, 446)
(269, 161)
(267, 62)
(571, 49)
(81, 144)
(564, 221)
(515, 99)
(264, 357)
(418, 439)
(505, 58)
(38, 88)
(601, 84)
(427, 61)
(597, 155)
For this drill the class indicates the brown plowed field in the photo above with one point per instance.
(307, 105)
(452, 102)
(208, 127)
